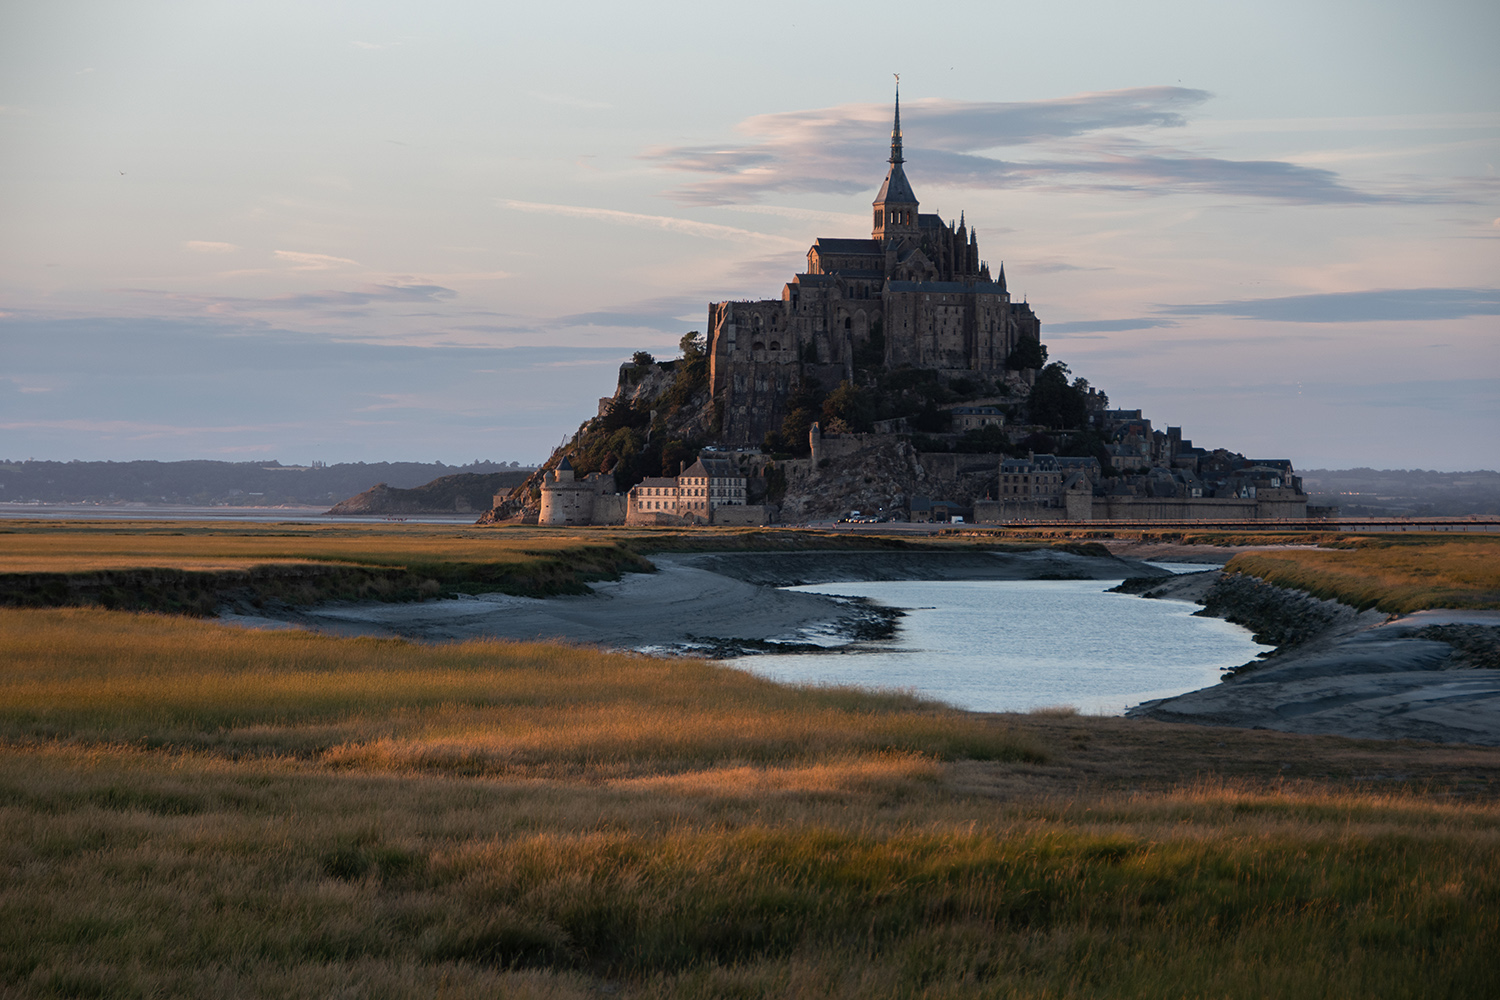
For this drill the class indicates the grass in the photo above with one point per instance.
(187, 809)
(1394, 573)
(199, 567)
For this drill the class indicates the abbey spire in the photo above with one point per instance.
(896, 204)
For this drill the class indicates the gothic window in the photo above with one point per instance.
(759, 345)
(775, 345)
(848, 323)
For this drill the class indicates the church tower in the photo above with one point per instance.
(896, 204)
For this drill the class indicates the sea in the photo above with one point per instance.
(1022, 645)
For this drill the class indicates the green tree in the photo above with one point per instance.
(851, 404)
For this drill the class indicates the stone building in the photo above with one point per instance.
(567, 500)
(694, 495)
(914, 293)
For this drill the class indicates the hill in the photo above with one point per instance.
(205, 483)
(464, 493)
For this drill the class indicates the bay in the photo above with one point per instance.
(1015, 646)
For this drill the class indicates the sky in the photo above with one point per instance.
(431, 232)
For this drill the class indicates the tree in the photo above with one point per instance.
(642, 358)
(1029, 353)
(852, 405)
(1055, 403)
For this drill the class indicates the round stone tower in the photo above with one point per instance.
(565, 500)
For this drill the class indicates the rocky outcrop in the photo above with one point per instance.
(872, 472)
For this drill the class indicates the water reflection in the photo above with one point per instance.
(1011, 646)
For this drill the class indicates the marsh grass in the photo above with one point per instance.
(187, 809)
(1397, 574)
(85, 675)
(199, 567)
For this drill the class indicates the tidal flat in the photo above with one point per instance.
(192, 809)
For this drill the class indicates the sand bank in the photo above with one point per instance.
(716, 604)
(1362, 674)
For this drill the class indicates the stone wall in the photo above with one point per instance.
(1005, 511)
(945, 465)
(610, 508)
(1187, 509)
(745, 514)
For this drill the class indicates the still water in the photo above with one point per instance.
(1011, 646)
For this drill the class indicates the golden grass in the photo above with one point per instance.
(474, 707)
(187, 809)
(90, 546)
(81, 546)
(1394, 573)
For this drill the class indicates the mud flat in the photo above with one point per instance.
(705, 604)
(1430, 675)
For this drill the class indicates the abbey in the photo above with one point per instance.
(916, 293)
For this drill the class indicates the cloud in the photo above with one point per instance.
(1355, 307)
(209, 246)
(690, 227)
(368, 46)
(138, 430)
(1107, 325)
(1083, 142)
(654, 314)
(313, 261)
(350, 302)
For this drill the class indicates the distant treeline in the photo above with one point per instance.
(250, 484)
(1404, 492)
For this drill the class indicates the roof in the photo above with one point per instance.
(658, 481)
(839, 245)
(716, 468)
(896, 188)
(812, 280)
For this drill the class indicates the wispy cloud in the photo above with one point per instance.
(650, 314)
(1107, 325)
(210, 246)
(1085, 142)
(689, 227)
(1355, 307)
(344, 302)
(314, 261)
(139, 430)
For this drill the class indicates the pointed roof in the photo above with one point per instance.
(896, 189)
(565, 465)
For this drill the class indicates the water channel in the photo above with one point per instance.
(1014, 646)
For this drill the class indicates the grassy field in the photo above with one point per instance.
(198, 567)
(1396, 573)
(187, 809)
